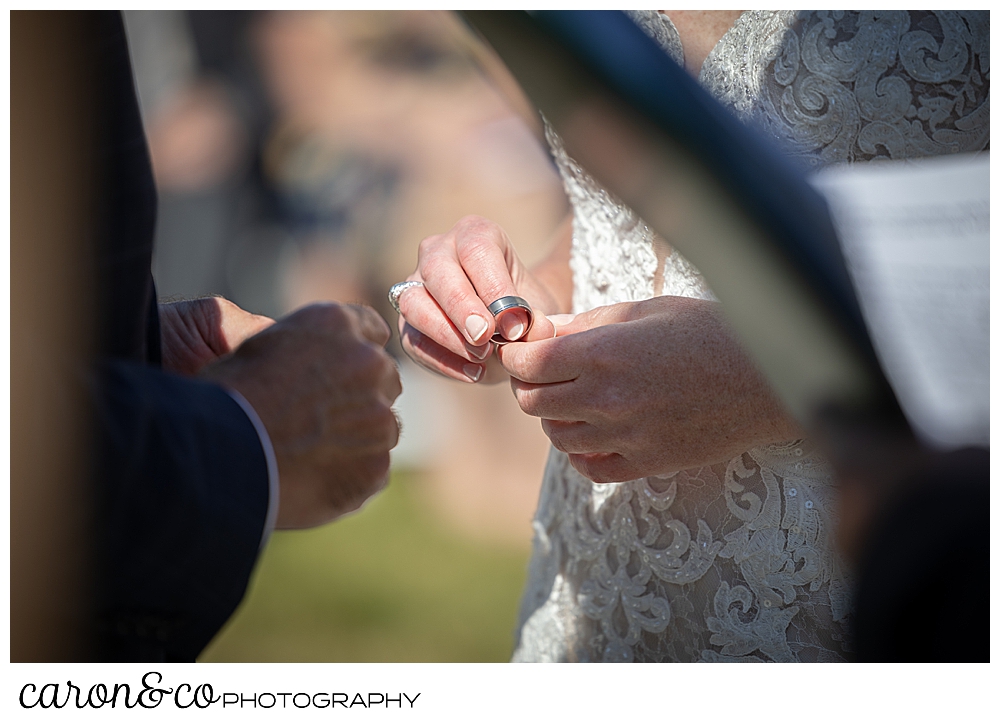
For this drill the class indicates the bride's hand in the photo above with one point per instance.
(444, 325)
(646, 388)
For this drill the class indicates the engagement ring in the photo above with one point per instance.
(397, 290)
(505, 304)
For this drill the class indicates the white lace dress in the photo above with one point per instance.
(736, 562)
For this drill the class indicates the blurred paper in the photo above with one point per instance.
(916, 239)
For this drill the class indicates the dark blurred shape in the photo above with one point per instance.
(149, 560)
(53, 129)
(409, 50)
(181, 479)
(924, 584)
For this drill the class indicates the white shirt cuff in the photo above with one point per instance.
(272, 464)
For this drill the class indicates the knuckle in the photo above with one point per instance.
(557, 440)
(428, 245)
(365, 477)
(374, 469)
(382, 364)
(382, 427)
(454, 298)
(478, 227)
(373, 324)
(615, 406)
(328, 315)
(471, 222)
(434, 266)
(581, 465)
(392, 426)
(474, 248)
(370, 362)
(598, 474)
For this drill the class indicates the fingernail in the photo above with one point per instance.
(561, 319)
(473, 371)
(512, 331)
(480, 352)
(476, 326)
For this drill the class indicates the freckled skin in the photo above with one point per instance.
(627, 390)
(644, 388)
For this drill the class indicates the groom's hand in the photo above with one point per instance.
(322, 384)
(197, 332)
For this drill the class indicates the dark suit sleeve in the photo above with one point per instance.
(184, 498)
(180, 474)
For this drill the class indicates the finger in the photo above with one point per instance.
(487, 257)
(371, 325)
(447, 282)
(559, 320)
(434, 357)
(576, 437)
(560, 401)
(569, 324)
(542, 328)
(362, 425)
(512, 323)
(235, 324)
(423, 313)
(376, 371)
(335, 317)
(544, 362)
(391, 385)
(603, 467)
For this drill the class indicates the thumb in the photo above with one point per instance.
(541, 328)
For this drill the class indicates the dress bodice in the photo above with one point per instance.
(737, 561)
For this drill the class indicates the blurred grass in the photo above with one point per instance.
(389, 584)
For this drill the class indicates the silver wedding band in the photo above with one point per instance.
(506, 303)
(397, 290)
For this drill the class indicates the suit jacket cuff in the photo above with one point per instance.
(272, 464)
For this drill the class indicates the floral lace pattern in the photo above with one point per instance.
(735, 562)
(835, 86)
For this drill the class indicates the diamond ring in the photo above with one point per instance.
(397, 290)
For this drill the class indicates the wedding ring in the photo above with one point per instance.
(397, 290)
(504, 304)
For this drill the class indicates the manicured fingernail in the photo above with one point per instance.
(561, 319)
(476, 326)
(473, 371)
(480, 352)
(512, 328)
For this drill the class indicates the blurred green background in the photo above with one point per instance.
(392, 584)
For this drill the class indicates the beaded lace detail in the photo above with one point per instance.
(736, 562)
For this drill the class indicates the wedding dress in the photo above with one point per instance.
(736, 562)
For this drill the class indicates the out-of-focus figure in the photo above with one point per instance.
(302, 155)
